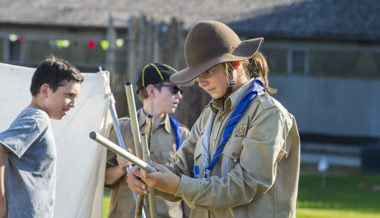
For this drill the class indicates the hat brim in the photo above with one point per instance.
(244, 51)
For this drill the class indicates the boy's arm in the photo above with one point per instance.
(116, 166)
(116, 172)
(3, 208)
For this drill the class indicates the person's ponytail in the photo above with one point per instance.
(257, 66)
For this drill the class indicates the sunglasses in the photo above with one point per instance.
(208, 73)
(173, 88)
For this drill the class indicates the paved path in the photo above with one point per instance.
(342, 155)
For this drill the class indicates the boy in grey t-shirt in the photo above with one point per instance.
(27, 147)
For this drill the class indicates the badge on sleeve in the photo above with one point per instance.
(241, 130)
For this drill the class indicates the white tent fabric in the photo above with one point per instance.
(80, 161)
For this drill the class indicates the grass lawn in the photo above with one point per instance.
(106, 201)
(347, 193)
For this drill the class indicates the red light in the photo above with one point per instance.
(21, 38)
(91, 44)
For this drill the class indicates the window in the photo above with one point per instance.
(298, 62)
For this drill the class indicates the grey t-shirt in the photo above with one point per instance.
(30, 165)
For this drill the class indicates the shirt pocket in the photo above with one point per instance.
(168, 157)
(282, 155)
(231, 155)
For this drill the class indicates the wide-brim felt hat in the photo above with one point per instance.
(209, 43)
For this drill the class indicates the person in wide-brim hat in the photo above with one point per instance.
(243, 153)
(210, 43)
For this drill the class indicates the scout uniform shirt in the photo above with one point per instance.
(162, 151)
(256, 175)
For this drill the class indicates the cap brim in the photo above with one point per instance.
(244, 51)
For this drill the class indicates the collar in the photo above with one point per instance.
(141, 117)
(166, 124)
(231, 101)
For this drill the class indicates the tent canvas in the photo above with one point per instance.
(80, 160)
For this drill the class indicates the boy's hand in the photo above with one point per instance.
(134, 183)
(116, 172)
(163, 180)
(121, 162)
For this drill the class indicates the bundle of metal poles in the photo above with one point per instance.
(138, 142)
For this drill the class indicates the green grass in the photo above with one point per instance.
(106, 201)
(338, 213)
(347, 193)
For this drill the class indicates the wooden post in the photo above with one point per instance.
(132, 49)
(110, 53)
(156, 43)
(141, 61)
(149, 41)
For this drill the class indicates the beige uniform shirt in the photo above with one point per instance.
(257, 172)
(162, 151)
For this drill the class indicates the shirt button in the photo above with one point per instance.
(233, 154)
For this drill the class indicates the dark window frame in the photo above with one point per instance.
(15, 51)
(292, 57)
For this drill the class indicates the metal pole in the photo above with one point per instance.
(116, 124)
(136, 138)
(123, 153)
(149, 129)
(133, 117)
(151, 195)
(118, 132)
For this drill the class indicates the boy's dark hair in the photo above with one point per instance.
(56, 72)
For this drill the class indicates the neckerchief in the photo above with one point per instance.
(256, 87)
(175, 125)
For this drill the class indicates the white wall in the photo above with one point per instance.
(346, 107)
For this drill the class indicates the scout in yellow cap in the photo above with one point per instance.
(160, 98)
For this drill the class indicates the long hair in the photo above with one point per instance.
(257, 66)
